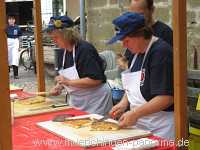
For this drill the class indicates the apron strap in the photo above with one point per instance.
(153, 39)
(63, 63)
(133, 61)
(73, 56)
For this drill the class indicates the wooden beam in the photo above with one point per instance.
(5, 113)
(39, 48)
(180, 68)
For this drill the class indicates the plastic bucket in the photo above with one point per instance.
(117, 95)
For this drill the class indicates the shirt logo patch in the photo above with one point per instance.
(15, 32)
(142, 77)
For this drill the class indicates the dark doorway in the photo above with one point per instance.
(22, 10)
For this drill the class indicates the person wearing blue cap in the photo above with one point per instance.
(59, 22)
(81, 71)
(159, 28)
(148, 81)
(13, 33)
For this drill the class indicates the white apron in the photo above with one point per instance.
(160, 123)
(13, 51)
(93, 100)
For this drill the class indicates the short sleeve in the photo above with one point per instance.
(163, 31)
(90, 64)
(161, 72)
(167, 36)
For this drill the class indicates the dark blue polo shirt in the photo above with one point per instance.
(158, 71)
(13, 31)
(88, 62)
(163, 31)
(160, 30)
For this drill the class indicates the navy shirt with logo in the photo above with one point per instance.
(158, 71)
(88, 62)
(13, 31)
(160, 30)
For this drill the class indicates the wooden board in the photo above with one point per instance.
(21, 110)
(86, 138)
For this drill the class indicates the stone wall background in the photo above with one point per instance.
(101, 13)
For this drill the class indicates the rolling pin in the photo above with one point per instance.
(42, 93)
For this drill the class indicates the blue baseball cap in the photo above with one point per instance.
(59, 22)
(127, 23)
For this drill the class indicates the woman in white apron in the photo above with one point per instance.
(148, 81)
(81, 71)
(13, 33)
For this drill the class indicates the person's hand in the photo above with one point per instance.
(61, 80)
(56, 90)
(118, 110)
(127, 119)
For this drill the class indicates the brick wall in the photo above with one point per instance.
(102, 12)
(100, 16)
